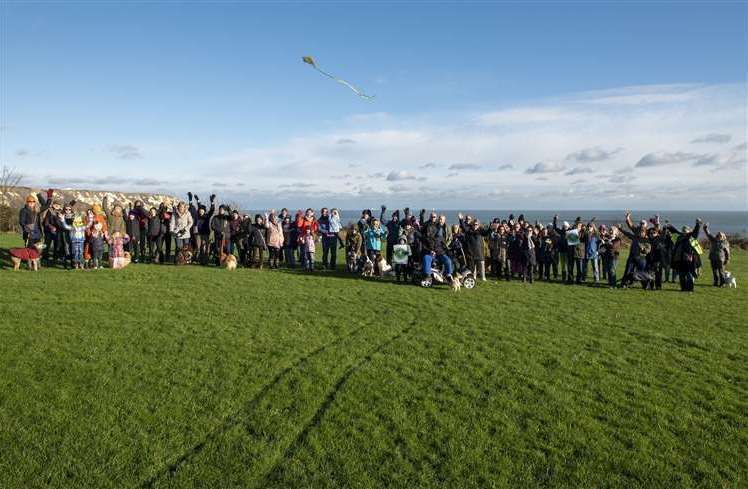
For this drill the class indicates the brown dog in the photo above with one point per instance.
(228, 262)
(30, 255)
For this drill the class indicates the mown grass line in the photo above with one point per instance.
(330, 398)
(171, 468)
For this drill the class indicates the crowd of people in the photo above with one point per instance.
(411, 245)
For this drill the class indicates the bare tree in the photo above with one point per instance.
(9, 180)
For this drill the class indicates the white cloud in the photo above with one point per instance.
(464, 166)
(125, 151)
(589, 155)
(666, 158)
(543, 167)
(579, 170)
(713, 138)
(394, 176)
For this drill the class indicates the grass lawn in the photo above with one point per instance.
(157, 376)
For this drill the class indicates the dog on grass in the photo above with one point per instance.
(351, 261)
(368, 268)
(456, 282)
(730, 280)
(383, 268)
(30, 255)
(184, 256)
(228, 262)
(118, 263)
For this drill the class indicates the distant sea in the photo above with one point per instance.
(730, 222)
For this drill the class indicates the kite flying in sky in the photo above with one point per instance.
(310, 61)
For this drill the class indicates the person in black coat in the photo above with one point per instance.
(30, 217)
(473, 237)
(685, 256)
(200, 233)
(132, 227)
(153, 235)
(166, 215)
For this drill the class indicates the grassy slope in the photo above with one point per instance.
(194, 377)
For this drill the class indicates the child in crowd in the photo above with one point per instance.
(308, 247)
(96, 240)
(117, 244)
(401, 258)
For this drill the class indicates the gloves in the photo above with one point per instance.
(50, 193)
(189, 194)
(212, 198)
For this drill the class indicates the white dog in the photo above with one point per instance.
(730, 281)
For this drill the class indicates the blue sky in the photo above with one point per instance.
(485, 105)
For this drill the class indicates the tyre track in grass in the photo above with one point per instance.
(235, 417)
(327, 403)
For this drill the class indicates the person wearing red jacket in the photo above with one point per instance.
(306, 222)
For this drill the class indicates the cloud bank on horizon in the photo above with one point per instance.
(662, 146)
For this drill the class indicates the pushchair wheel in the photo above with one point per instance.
(468, 282)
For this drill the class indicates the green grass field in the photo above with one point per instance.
(157, 376)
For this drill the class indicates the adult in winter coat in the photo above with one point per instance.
(30, 218)
(474, 234)
(166, 214)
(433, 245)
(220, 224)
(610, 248)
(155, 232)
(181, 224)
(719, 255)
(393, 232)
(141, 215)
(201, 227)
(497, 247)
(256, 243)
(132, 225)
(686, 254)
(328, 230)
(566, 253)
(115, 216)
(290, 241)
(275, 239)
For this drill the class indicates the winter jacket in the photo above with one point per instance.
(433, 239)
(255, 234)
(275, 234)
(202, 223)
(115, 222)
(719, 250)
(181, 224)
(133, 225)
(304, 224)
(474, 241)
(154, 227)
(374, 237)
(684, 252)
(221, 225)
(290, 235)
